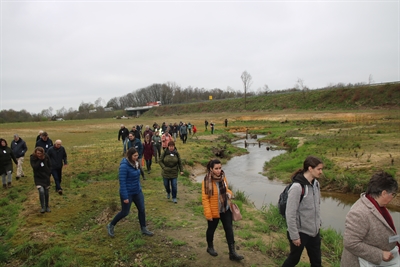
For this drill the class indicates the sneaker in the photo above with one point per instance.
(48, 209)
(175, 200)
(110, 230)
(146, 232)
(43, 210)
(168, 196)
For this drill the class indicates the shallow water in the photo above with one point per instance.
(243, 172)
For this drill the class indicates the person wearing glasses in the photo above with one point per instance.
(370, 237)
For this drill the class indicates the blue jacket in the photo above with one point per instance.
(129, 179)
(138, 145)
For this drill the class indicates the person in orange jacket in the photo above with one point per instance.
(215, 195)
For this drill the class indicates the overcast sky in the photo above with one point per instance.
(60, 53)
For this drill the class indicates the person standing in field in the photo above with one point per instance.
(194, 130)
(6, 167)
(148, 152)
(303, 217)
(212, 127)
(123, 135)
(130, 190)
(215, 196)
(206, 124)
(226, 122)
(19, 149)
(58, 159)
(189, 127)
(171, 164)
(41, 166)
(45, 142)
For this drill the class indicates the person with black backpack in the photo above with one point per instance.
(303, 213)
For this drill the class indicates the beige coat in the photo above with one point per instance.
(366, 234)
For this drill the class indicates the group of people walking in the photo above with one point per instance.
(47, 159)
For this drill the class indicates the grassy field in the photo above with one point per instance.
(353, 144)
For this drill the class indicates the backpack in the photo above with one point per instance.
(283, 197)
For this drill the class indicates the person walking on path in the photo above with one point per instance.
(303, 217)
(171, 164)
(130, 190)
(6, 167)
(19, 148)
(45, 142)
(206, 124)
(58, 159)
(194, 131)
(165, 138)
(138, 146)
(156, 141)
(183, 132)
(215, 196)
(148, 152)
(41, 166)
(123, 135)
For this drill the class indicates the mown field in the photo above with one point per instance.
(353, 144)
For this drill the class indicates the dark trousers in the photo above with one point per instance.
(157, 152)
(313, 246)
(171, 185)
(184, 138)
(226, 219)
(138, 199)
(57, 174)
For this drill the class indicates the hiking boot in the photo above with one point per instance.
(210, 249)
(60, 192)
(110, 230)
(43, 210)
(175, 200)
(146, 232)
(48, 209)
(233, 256)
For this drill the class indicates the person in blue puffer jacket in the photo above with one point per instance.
(130, 190)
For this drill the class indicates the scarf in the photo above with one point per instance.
(385, 213)
(209, 179)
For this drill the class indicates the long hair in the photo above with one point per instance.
(129, 154)
(38, 148)
(212, 163)
(1, 139)
(310, 161)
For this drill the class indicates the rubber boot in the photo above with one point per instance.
(146, 232)
(42, 200)
(233, 256)
(46, 195)
(210, 249)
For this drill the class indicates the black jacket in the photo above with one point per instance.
(41, 170)
(19, 148)
(58, 157)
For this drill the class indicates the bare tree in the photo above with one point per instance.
(300, 86)
(247, 82)
(370, 79)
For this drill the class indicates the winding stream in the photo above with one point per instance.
(243, 172)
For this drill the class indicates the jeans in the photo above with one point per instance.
(313, 246)
(184, 138)
(125, 144)
(148, 164)
(226, 219)
(9, 177)
(138, 199)
(168, 183)
(57, 174)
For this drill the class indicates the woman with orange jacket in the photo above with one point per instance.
(215, 195)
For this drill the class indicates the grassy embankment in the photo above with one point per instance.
(73, 234)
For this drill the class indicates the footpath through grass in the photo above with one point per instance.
(74, 233)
